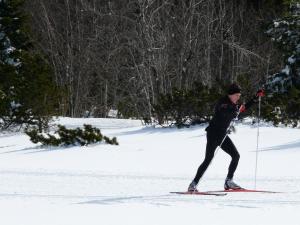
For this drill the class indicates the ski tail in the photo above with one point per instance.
(198, 193)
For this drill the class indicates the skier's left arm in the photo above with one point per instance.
(246, 106)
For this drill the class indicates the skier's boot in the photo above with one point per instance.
(192, 187)
(230, 185)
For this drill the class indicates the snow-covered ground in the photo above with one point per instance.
(130, 184)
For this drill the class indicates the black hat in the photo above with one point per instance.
(233, 89)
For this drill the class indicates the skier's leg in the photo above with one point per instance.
(209, 154)
(230, 148)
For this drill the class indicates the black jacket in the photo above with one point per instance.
(225, 112)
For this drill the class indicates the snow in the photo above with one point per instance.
(15, 105)
(10, 50)
(1, 33)
(129, 184)
(286, 70)
(292, 59)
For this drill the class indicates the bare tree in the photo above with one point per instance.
(124, 54)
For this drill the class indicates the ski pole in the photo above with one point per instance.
(257, 140)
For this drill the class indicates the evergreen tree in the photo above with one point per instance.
(186, 107)
(285, 32)
(284, 86)
(13, 31)
(27, 90)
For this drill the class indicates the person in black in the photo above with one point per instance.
(226, 109)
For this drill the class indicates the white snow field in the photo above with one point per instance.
(130, 184)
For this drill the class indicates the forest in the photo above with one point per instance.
(156, 60)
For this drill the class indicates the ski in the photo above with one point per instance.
(243, 190)
(198, 193)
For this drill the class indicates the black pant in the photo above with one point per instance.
(213, 141)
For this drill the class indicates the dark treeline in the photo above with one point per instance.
(122, 54)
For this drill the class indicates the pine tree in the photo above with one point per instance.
(28, 92)
(13, 31)
(283, 105)
(285, 32)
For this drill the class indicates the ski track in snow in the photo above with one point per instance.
(85, 188)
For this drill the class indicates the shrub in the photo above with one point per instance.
(67, 137)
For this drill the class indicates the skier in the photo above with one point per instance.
(226, 109)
